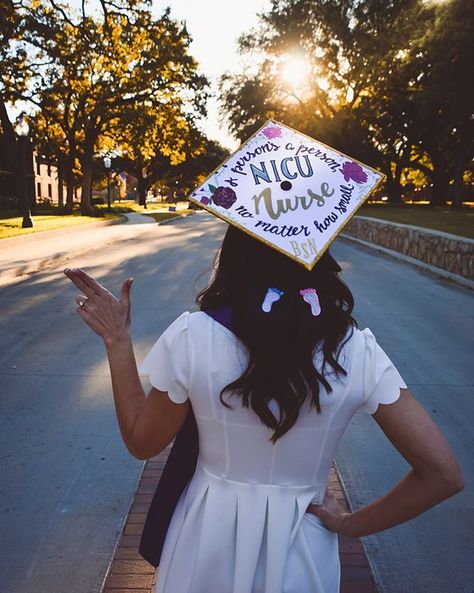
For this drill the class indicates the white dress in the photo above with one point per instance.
(240, 525)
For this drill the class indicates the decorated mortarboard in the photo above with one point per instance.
(288, 190)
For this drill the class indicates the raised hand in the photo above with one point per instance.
(106, 315)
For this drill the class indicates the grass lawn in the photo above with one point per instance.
(457, 222)
(10, 222)
(157, 210)
(159, 216)
(152, 207)
(49, 219)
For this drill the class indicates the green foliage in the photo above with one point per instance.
(154, 143)
(118, 74)
(457, 222)
(14, 73)
(387, 82)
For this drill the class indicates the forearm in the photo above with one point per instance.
(129, 395)
(413, 495)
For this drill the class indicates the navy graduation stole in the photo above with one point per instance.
(178, 471)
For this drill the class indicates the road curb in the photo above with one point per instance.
(128, 572)
(465, 282)
(173, 218)
(362, 549)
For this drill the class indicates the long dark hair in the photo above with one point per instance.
(281, 343)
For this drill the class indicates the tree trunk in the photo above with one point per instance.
(441, 189)
(142, 191)
(69, 163)
(30, 177)
(24, 154)
(86, 185)
(393, 187)
(393, 190)
(20, 163)
(69, 193)
(60, 184)
(12, 154)
(20, 172)
(86, 206)
(90, 191)
(457, 191)
(87, 162)
(69, 177)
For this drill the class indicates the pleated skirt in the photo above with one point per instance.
(228, 536)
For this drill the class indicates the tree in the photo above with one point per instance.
(13, 74)
(196, 167)
(344, 44)
(437, 107)
(384, 82)
(94, 70)
(51, 142)
(179, 159)
(153, 142)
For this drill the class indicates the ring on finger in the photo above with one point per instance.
(82, 303)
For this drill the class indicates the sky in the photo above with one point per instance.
(215, 26)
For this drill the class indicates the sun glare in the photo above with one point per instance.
(323, 83)
(294, 70)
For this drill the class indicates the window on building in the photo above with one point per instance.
(38, 190)
(49, 170)
(50, 190)
(38, 166)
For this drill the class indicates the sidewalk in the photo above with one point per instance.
(130, 573)
(20, 256)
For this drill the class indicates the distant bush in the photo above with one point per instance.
(44, 203)
(115, 208)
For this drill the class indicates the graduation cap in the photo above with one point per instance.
(288, 190)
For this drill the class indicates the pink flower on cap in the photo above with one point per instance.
(270, 133)
(353, 171)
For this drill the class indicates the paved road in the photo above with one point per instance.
(427, 327)
(22, 255)
(67, 479)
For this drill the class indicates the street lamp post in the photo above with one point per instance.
(107, 165)
(23, 185)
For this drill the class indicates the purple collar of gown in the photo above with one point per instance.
(222, 315)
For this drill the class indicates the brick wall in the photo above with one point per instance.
(442, 250)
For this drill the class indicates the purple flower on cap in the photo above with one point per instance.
(270, 133)
(353, 171)
(205, 200)
(224, 197)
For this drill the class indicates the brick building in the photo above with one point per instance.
(46, 180)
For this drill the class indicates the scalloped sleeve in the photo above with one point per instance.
(382, 381)
(167, 363)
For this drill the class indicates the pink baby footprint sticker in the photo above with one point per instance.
(310, 296)
(273, 295)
